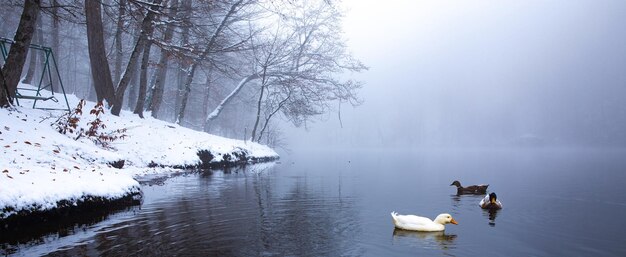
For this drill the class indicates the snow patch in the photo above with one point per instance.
(41, 167)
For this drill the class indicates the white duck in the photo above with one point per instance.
(417, 223)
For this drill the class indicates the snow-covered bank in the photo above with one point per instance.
(42, 168)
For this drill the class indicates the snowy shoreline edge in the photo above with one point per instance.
(44, 171)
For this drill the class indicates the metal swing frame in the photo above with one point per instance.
(47, 70)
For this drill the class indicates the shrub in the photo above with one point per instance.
(70, 124)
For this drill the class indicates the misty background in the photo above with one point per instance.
(482, 74)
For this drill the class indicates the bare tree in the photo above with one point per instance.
(133, 84)
(32, 64)
(118, 41)
(143, 79)
(161, 73)
(56, 45)
(298, 66)
(184, 63)
(100, 72)
(146, 31)
(226, 20)
(12, 69)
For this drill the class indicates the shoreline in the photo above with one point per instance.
(28, 225)
(44, 171)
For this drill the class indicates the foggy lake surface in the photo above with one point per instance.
(557, 202)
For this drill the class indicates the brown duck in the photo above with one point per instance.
(473, 189)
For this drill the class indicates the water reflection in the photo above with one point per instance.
(491, 213)
(240, 212)
(465, 202)
(36, 235)
(430, 240)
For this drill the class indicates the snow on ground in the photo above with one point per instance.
(40, 166)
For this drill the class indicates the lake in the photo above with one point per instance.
(557, 202)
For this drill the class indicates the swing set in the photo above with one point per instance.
(49, 62)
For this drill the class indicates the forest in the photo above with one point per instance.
(235, 68)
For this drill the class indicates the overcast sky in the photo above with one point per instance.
(482, 73)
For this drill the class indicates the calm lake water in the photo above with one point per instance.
(337, 203)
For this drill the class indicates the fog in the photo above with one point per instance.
(482, 74)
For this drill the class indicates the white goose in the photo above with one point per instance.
(417, 223)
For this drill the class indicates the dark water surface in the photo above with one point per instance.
(337, 203)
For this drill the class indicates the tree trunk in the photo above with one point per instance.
(267, 119)
(159, 86)
(100, 72)
(133, 85)
(143, 81)
(12, 69)
(185, 92)
(258, 106)
(151, 83)
(32, 64)
(56, 46)
(207, 91)
(258, 113)
(118, 41)
(146, 31)
(161, 73)
(184, 66)
(185, 96)
(226, 100)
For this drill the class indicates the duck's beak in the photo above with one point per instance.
(454, 222)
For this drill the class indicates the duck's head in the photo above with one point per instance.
(492, 198)
(445, 218)
(456, 183)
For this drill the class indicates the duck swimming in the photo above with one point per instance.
(473, 189)
(417, 223)
(490, 202)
